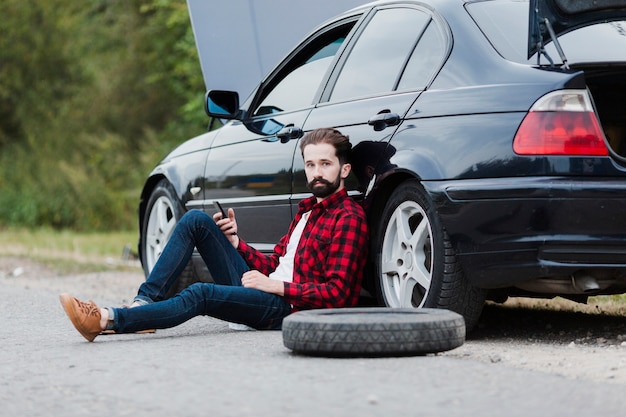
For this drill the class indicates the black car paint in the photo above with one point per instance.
(510, 217)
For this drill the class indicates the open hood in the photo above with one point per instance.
(239, 41)
(567, 15)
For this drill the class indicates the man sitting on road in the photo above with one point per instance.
(318, 264)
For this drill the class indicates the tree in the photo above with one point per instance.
(91, 95)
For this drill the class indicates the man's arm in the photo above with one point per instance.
(255, 279)
(260, 261)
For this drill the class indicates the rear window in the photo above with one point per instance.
(505, 25)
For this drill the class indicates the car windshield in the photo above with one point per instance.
(505, 24)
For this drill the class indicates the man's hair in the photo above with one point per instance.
(331, 136)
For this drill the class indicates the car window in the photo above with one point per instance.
(380, 53)
(505, 25)
(296, 85)
(425, 59)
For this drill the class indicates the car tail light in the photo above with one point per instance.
(561, 123)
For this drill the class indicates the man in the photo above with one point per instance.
(318, 264)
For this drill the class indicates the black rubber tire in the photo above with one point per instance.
(448, 288)
(373, 332)
(165, 193)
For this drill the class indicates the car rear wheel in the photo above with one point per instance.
(415, 262)
(163, 211)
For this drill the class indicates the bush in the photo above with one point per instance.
(89, 103)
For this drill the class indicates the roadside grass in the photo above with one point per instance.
(613, 305)
(72, 252)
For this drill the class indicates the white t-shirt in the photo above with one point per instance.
(284, 270)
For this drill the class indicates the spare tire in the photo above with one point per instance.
(377, 331)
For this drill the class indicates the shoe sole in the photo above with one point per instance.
(110, 332)
(68, 306)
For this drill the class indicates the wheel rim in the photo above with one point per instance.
(161, 223)
(406, 257)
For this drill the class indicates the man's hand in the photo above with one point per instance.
(255, 279)
(228, 226)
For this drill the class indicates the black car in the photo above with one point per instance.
(490, 148)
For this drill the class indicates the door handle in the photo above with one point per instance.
(383, 120)
(289, 132)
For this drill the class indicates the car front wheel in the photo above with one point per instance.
(163, 212)
(415, 261)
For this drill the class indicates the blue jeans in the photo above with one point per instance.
(225, 299)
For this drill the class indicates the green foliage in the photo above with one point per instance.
(35, 66)
(92, 94)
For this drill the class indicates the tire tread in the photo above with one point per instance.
(373, 332)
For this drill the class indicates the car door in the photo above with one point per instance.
(249, 166)
(392, 58)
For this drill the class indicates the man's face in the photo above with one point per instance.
(324, 173)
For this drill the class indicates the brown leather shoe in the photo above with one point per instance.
(84, 316)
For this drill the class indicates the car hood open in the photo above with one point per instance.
(239, 41)
(568, 15)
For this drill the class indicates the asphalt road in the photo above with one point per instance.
(203, 368)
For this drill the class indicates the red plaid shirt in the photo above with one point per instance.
(330, 258)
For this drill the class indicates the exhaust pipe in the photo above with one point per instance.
(584, 282)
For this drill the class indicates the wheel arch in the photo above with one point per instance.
(383, 190)
(148, 188)
(375, 204)
(452, 290)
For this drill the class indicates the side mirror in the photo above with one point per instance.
(222, 104)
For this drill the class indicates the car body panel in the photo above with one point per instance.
(236, 182)
(342, 116)
(553, 224)
(182, 167)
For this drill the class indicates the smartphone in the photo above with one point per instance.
(224, 215)
(219, 206)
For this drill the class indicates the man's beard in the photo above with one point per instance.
(327, 189)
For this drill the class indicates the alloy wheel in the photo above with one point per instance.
(406, 257)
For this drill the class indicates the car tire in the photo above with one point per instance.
(375, 331)
(163, 212)
(414, 260)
